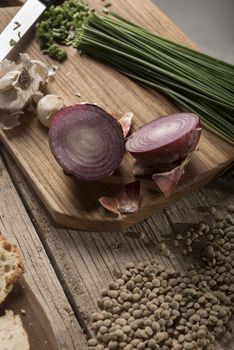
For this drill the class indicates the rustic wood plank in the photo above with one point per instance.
(96, 258)
(196, 207)
(40, 276)
(76, 204)
(6, 3)
(87, 261)
(218, 194)
(35, 321)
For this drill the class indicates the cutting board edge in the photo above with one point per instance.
(87, 224)
(111, 225)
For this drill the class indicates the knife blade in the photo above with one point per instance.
(20, 24)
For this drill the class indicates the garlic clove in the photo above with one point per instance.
(20, 86)
(7, 66)
(43, 70)
(47, 107)
(9, 101)
(7, 80)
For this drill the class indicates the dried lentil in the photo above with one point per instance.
(151, 307)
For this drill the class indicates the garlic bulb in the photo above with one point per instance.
(20, 86)
(47, 107)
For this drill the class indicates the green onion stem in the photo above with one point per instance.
(194, 81)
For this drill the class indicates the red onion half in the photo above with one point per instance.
(165, 140)
(86, 141)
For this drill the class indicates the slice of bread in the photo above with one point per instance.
(12, 333)
(11, 266)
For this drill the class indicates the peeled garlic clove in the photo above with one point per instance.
(47, 107)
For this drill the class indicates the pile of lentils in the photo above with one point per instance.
(151, 307)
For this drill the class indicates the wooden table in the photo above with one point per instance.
(66, 269)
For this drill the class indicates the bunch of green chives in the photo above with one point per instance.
(195, 81)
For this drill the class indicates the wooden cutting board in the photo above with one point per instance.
(73, 203)
(36, 324)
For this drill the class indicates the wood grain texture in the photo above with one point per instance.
(40, 276)
(24, 303)
(87, 261)
(96, 259)
(7, 3)
(76, 204)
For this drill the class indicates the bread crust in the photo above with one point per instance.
(9, 249)
(12, 333)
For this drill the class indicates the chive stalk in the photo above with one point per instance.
(194, 81)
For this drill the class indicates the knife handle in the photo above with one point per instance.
(48, 2)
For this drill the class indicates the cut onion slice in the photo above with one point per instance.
(126, 123)
(86, 141)
(168, 181)
(165, 140)
(125, 200)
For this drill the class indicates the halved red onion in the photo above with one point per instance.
(125, 200)
(126, 123)
(168, 181)
(86, 141)
(165, 140)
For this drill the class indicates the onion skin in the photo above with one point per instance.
(170, 151)
(168, 181)
(86, 141)
(163, 147)
(126, 123)
(125, 200)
